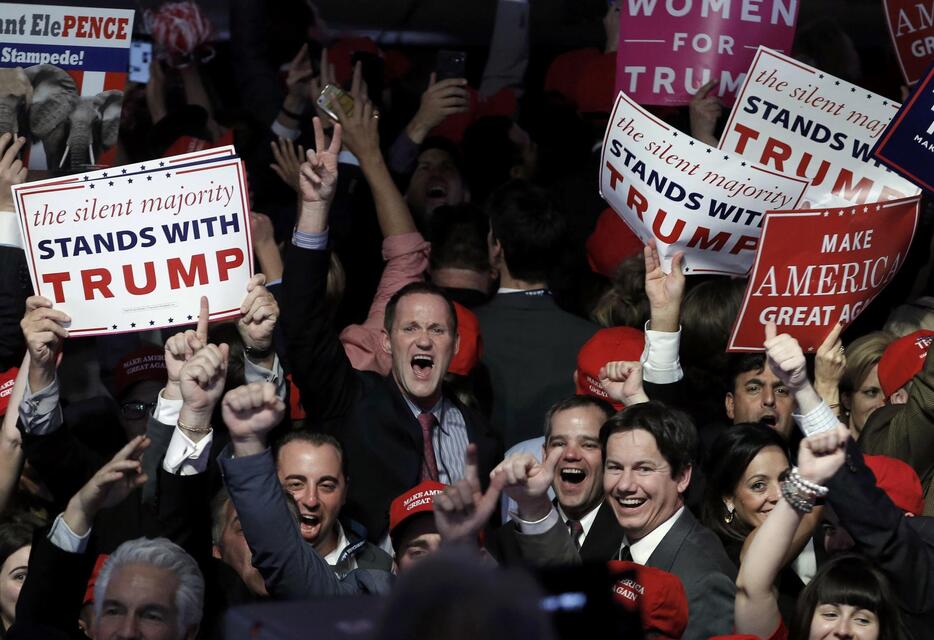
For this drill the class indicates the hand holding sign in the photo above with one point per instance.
(664, 290)
(705, 109)
(786, 360)
(260, 312)
(43, 328)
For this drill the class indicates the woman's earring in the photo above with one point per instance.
(728, 518)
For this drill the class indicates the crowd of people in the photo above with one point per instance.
(455, 370)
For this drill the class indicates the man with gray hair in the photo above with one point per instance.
(150, 589)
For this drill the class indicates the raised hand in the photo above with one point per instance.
(44, 330)
(259, 312)
(12, 170)
(180, 347)
(250, 412)
(785, 358)
(202, 383)
(622, 381)
(526, 481)
(705, 109)
(462, 510)
(821, 455)
(109, 486)
(829, 365)
(360, 131)
(318, 174)
(664, 290)
(288, 162)
(440, 100)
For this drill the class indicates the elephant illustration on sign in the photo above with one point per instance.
(42, 102)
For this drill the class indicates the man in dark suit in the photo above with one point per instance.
(573, 427)
(396, 430)
(648, 451)
(530, 344)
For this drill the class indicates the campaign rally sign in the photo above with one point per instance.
(63, 70)
(134, 248)
(686, 195)
(822, 266)
(801, 121)
(911, 26)
(668, 49)
(907, 146)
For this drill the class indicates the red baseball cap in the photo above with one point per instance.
(899, 481)
(564, 71)
(471, 345)
(606, 345)
(595, 92)
(418, 499)
(611, 242)
(657, 596)
(903, 359)
(146, 363)
(89, 591)
(7, 380)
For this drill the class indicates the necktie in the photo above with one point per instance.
(624, 553)
(427, 421)
(577, 530)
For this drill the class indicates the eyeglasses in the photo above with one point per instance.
(136, 410)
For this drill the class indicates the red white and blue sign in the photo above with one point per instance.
(63, 67)
(907, 145)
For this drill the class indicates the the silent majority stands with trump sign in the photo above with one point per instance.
(135, 247)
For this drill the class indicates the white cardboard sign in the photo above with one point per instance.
(686, 195)
(800, 121)
(134, 248)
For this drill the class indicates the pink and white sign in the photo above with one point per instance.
(668, 49)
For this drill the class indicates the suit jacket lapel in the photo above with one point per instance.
(667, 550)
(605, 536)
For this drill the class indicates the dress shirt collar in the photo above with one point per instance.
(334, 557)
(642, 550)
(586, 521)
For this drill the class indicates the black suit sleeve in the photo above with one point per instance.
(54, 588)
(882, 531)
(320, 368)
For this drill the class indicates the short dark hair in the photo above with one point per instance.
(448, 147)
(458, 238)
(740, 363)
(13, 537)
(853, 580)
(411, 289)
(576, 402)
(731, 452)
(529, 227)
(672, 429)
(316, 439)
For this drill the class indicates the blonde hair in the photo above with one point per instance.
(861, 356)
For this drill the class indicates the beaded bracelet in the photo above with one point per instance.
(185, 427)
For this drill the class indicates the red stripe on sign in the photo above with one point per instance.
(29, 193)
(86, 330)
(77, 76)
(115, 80)
(218, 313)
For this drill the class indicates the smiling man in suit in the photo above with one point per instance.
(572, 427)
(648, 450)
